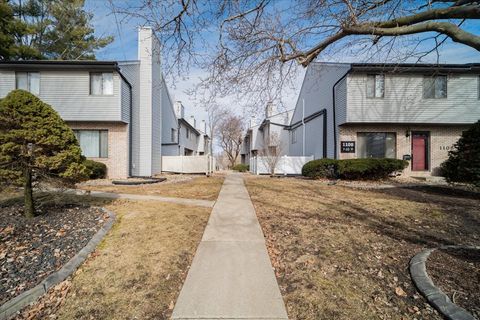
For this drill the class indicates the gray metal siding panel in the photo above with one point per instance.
(404, 103)
(68, 92)
(131, 72)
(317, 93)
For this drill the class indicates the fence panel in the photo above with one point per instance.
(188, 164)
(285, 165)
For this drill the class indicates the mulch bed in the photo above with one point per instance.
(457, 273)
(31, 249)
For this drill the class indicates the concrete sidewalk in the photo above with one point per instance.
(231, 276)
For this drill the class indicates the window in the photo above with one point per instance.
(101, 83)
(173, 135)
(94, 143)
(375, 86)
(376, 145)
(294, 136)
(188, 134)
(435, 87)
(29, 81)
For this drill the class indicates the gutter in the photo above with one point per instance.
(334, 114)
(305, 120)
(130, 124)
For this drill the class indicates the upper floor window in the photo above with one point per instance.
(173, 135)
(29, 81)
(435, 87)
(94, 143)
(375, 86)
(101, 83)
(294, 136)
(188, 134)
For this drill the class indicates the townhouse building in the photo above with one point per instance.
(120, 111)
(183, 136)
(269, 136)
(414, 112)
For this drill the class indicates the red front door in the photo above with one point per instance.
(419, 151)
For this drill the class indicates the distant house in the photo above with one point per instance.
(119, 110)
(182, 137)
(269, 134)
(405, 111)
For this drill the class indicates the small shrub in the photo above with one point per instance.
(241, 167)
(321, 168)
(463, 163)
(371, 168)
(96, 169)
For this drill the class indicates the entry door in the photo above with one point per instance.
(420, 151)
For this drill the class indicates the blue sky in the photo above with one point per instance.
(124, 47)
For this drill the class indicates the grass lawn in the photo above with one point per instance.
(139, 269)
(200, 187)
(343, 253)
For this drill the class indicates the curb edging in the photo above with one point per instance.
(436, 297)
(12, 306)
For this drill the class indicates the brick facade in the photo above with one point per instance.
(442, 138)
(117, 160)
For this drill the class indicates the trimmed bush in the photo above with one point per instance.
(321, 168)
(97, 170)
(369, 169)
(241, 167)
(353, 169)
(463, 163)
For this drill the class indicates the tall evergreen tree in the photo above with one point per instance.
(53, 29)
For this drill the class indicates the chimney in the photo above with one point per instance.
(269, 109)
(148, 85)
(204, 126)
(193, 122)
(252, 122)
(179, 110)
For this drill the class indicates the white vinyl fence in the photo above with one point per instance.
(285, 165)
(188, 164)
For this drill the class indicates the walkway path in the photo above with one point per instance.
(231, 276)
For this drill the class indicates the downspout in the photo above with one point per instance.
(130, 125)
(325, 133)
(303, 126)
(334, 115)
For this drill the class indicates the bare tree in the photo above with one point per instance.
(273, 148)
(215, 114)
(230, 131)
(262, 44)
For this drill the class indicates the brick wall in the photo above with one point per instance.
(442, 138)
(117, 161)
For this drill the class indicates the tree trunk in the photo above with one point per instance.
(28, 194)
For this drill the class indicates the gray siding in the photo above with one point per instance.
(131, 72)
(169, 119)
(68, 92)
(316, 93)
(404, 102)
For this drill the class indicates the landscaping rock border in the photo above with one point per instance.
(136, 182)
(11, 307)
(438, 299)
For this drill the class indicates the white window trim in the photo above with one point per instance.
(434, 77)
(375, 86)
(28, 73)
(103, 81)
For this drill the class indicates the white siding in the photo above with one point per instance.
(404, 103)
(68, 92)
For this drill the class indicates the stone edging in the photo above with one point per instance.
(433, 294)
(11, 307)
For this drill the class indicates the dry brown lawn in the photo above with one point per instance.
(139, 268)
(343, 253)
(201, 187)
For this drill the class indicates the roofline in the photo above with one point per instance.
(189, 125)
(59, 65)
